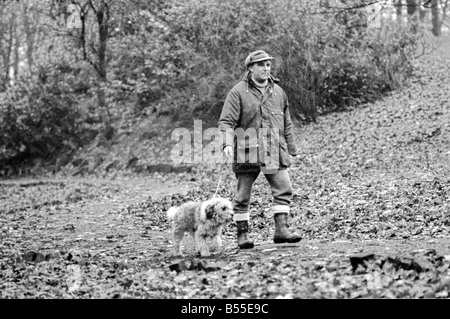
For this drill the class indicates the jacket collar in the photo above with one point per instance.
(248, 78)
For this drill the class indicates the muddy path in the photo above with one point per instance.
(96, 238)
(372, 201)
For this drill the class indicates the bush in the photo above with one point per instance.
(370, 64)
(181, 57)
(326, 62)
(40, 118)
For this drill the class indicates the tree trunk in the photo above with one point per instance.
(411, 7)
(6, 54)
(445, 6)
(412, 11)
(102, 14)
(102, 20)
(16, 46)
(7, 22)
(422, 11)
(83, 33)
(29, 33)
(97, 57)
(435, 18)
(398, 11)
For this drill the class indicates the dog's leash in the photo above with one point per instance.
(218, 183)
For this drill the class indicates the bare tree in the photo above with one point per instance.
(8, 25)
(435, 18)
(92, 39)
(445, 6)
(16, 45)
(399, 11)
(30, 29)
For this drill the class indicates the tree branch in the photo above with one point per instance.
(425, 5)
(347, 8)
(444, 12)
(92, 6)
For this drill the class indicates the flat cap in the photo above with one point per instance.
(257, 56)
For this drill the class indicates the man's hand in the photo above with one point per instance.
(228, 151)
(298, 158)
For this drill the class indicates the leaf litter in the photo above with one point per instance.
(372, 201)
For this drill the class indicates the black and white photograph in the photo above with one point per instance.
(224, 156)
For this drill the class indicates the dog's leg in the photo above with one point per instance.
(177, 238)
(195, 241)
(201, 244)
(217, 242)
(216, 239)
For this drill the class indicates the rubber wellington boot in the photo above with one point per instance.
(242, 235)
(282, 233)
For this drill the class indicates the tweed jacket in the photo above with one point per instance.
(248, 109)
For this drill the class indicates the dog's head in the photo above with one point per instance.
(218, 210)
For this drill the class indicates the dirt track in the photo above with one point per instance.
(372, 182)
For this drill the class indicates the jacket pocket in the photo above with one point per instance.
(284, 155)
(247, 151)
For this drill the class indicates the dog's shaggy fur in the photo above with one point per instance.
(202, 220)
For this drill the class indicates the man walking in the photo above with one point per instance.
(259, 137)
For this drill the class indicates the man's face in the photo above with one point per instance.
(261, 70)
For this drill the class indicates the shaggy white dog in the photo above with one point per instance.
(202, 220)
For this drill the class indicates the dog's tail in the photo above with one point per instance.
(171, 213)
